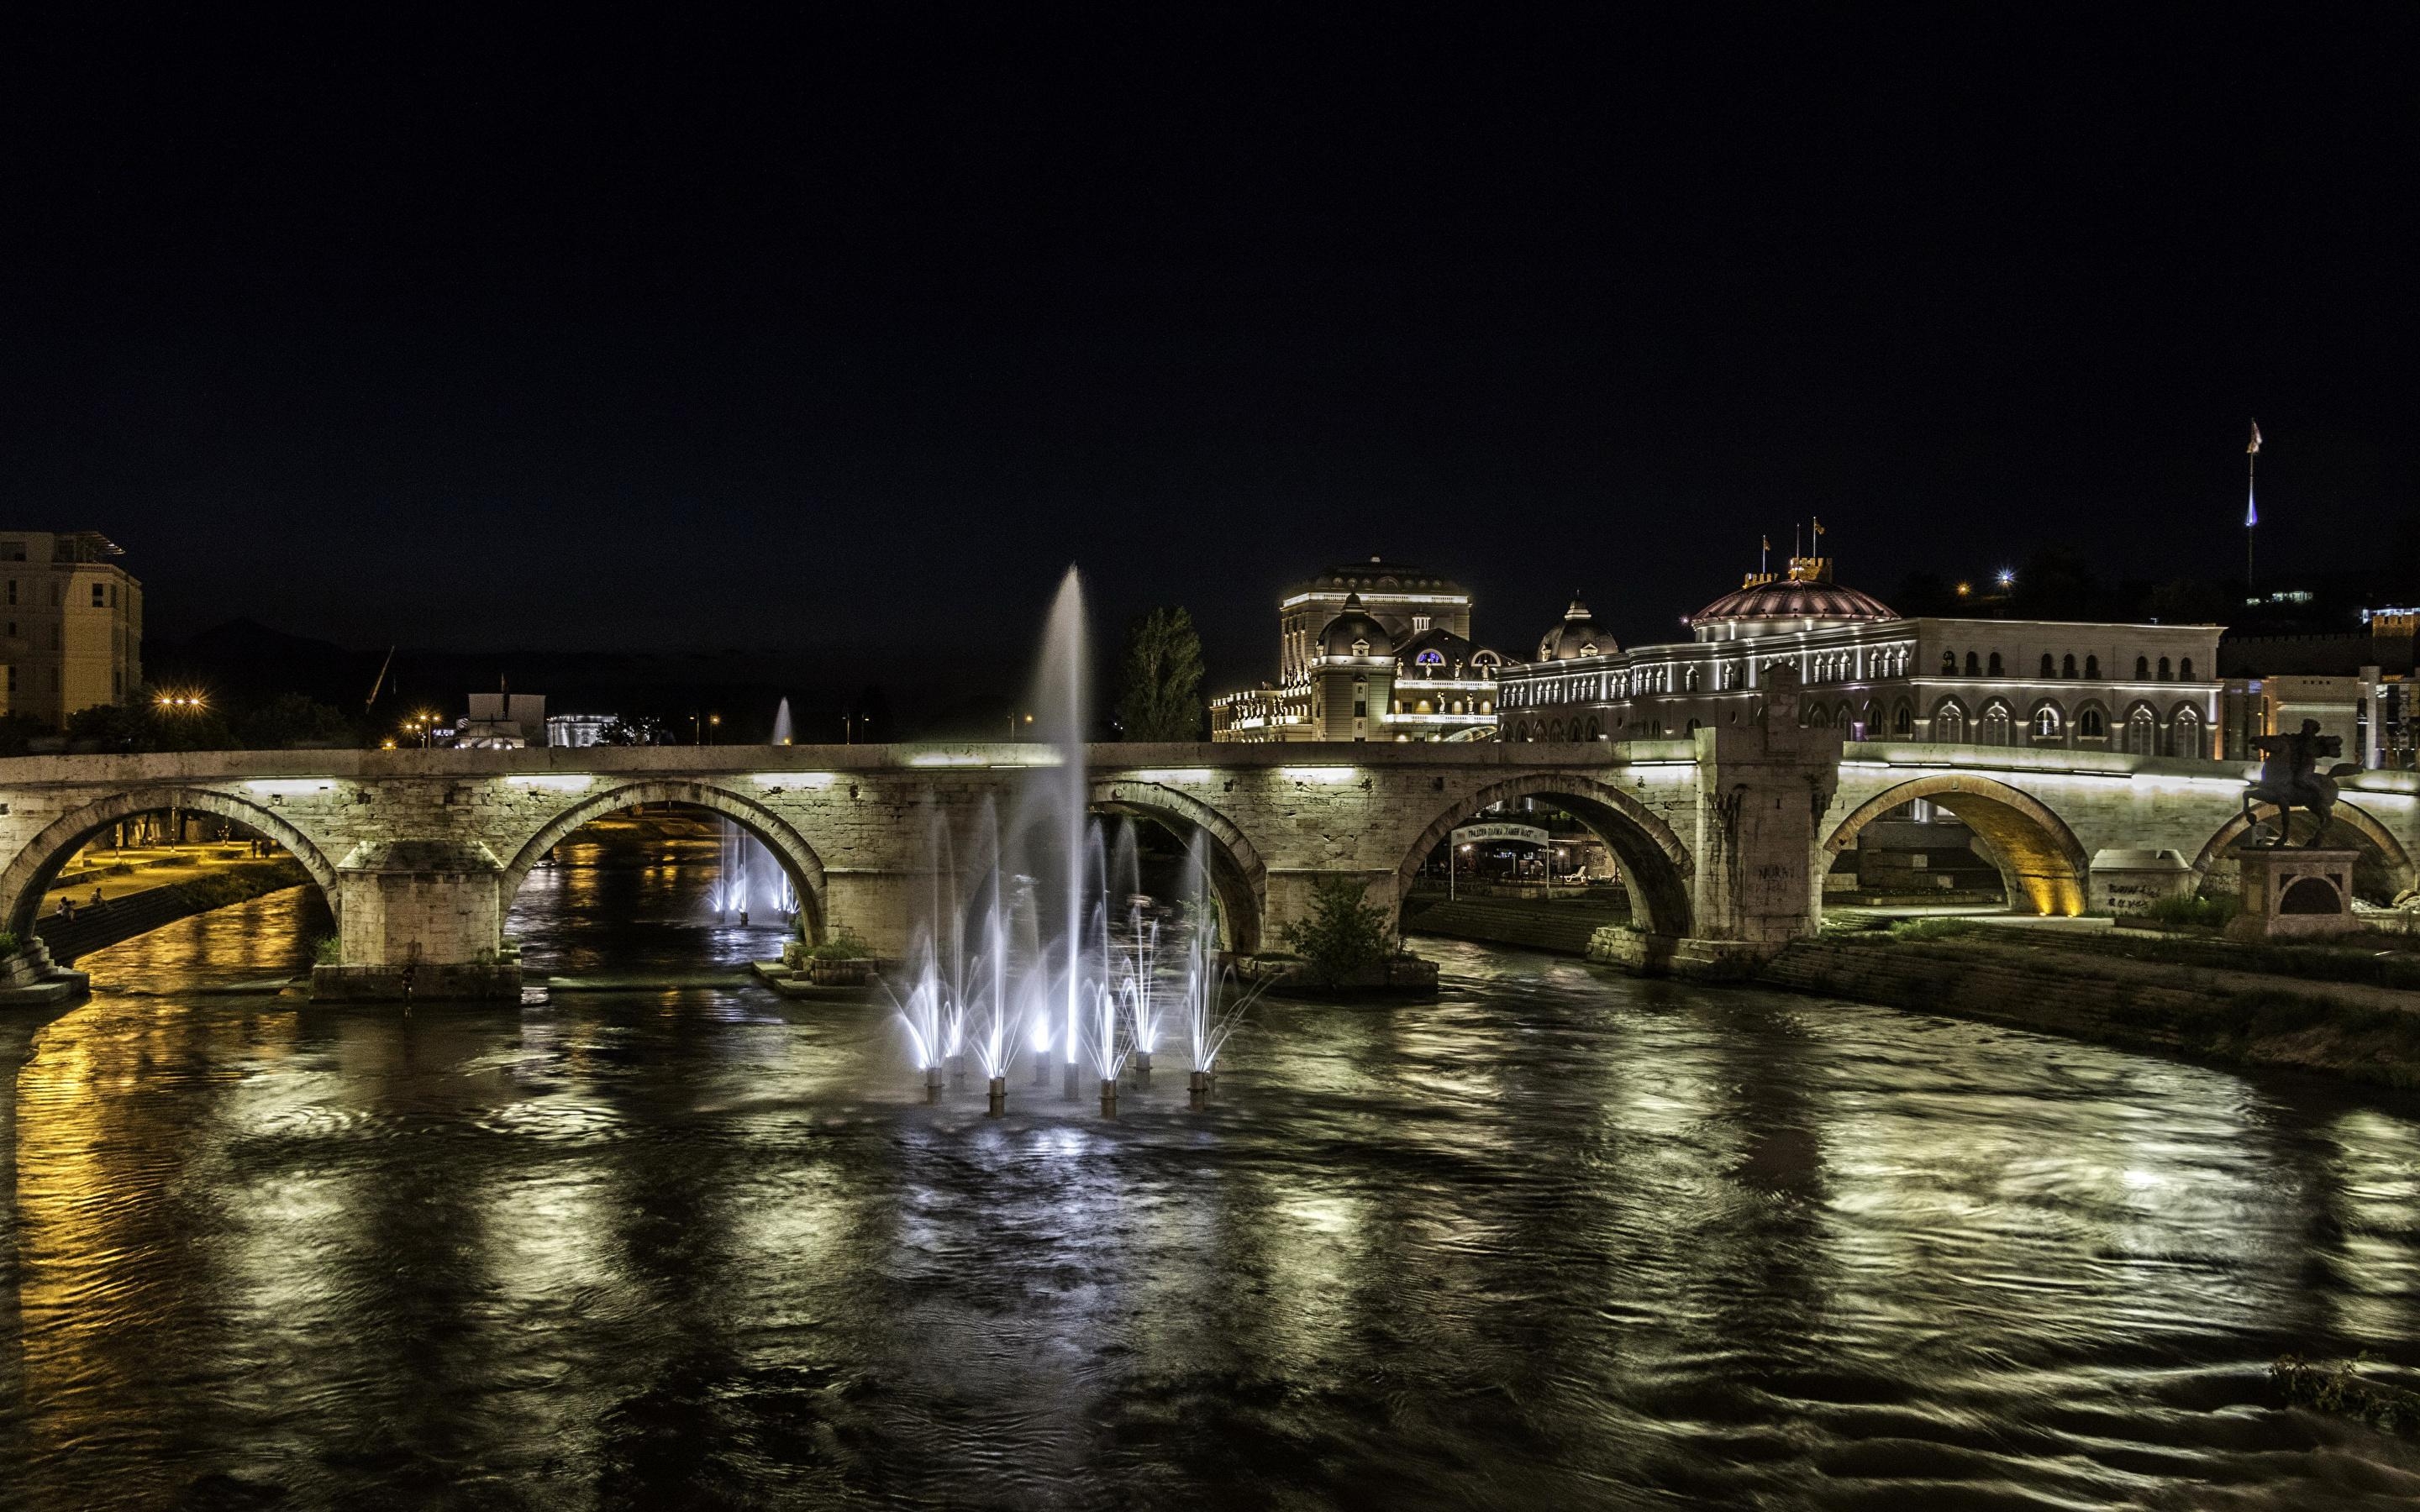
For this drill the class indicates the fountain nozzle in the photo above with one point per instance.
(996, 1103)
(933, 1083)
(1108, 1097)
(1198, 1085)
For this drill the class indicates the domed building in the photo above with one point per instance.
(1874, 675)
(1371, 650)
(1576, 637)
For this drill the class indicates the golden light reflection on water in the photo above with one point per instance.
(1556, 1239)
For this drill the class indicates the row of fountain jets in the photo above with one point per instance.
(1035, 938)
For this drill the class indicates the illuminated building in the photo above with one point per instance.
(74, 621)
(1372, 650)
(2359, 684)
(2147, 689)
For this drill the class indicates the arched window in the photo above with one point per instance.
(2067, 666)
(1973, 667)
(2184, 671)
(1555, 730)
(1816, 717)
(1591, 730)
(2143, 731)
(2184, 734)
(2142, 669)
(2048, 670)
(1995, 724)
(2164, 669)
(2092, 667)
(2089, 725)
(1693, 727)
(1902, 721)
(2046, 724)
(1950, 724)
(1949, 664)
(1996, 664)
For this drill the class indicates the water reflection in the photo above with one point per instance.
(1556, 1239)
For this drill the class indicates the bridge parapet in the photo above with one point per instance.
(419, 850)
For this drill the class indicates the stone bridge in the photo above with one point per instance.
(1723, 836)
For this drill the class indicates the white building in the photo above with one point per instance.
(1372, 650)
(2138, 688)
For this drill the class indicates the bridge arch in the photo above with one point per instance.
(2042, 864)
(30, 874)
(805, 866)
(2399, 859)
(1238, 877)
(1654, 863)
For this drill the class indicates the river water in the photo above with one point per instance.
(1559, 1239)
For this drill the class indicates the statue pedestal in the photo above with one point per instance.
(2293, 892)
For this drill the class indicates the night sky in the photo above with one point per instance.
(625, 334)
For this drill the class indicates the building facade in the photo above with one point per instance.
(2358, 684)
(2150, 688)
(73, 622)
(1372, 651)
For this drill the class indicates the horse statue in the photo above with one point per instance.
(2289, 780)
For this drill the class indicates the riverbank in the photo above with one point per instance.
(131, 913)
(1560, 926)
(2139, 995)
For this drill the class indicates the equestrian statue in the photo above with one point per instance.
(2289, 780)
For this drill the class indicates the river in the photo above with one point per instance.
(1559, 1239)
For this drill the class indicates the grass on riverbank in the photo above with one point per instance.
(2367, 960)
(242, 881)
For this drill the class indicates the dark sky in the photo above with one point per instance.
(653, 332)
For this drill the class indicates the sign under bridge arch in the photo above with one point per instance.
(1518, 834)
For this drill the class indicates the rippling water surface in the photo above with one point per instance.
(1559, 1239)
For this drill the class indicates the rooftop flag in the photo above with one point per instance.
(2251, 495)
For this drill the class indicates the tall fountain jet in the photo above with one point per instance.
(1059, 715)
(781, 723)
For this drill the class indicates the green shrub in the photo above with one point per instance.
(1932, 929)
(2194, 912)
(327, 949)
(1344, 937)
(8, 942)
(843, 946)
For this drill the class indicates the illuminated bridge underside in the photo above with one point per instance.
(1725, 836)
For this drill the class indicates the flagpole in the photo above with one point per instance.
(2250, 502)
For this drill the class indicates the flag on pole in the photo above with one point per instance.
(1818, 525)
(2250, 494)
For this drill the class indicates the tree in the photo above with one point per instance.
(1163, 678)
(295, 719)
(1343, 936)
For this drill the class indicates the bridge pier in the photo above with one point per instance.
(419, 918)
(877, 907)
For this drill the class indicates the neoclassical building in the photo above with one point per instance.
(2151, 689)
(1372, 651)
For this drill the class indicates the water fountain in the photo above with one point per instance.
(781, 723)
(1035, 938)
(748, 880)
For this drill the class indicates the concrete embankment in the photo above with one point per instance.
(1559, 928)
(2365, 1032)
(138, 912)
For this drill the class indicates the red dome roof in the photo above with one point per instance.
(1786, 600)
